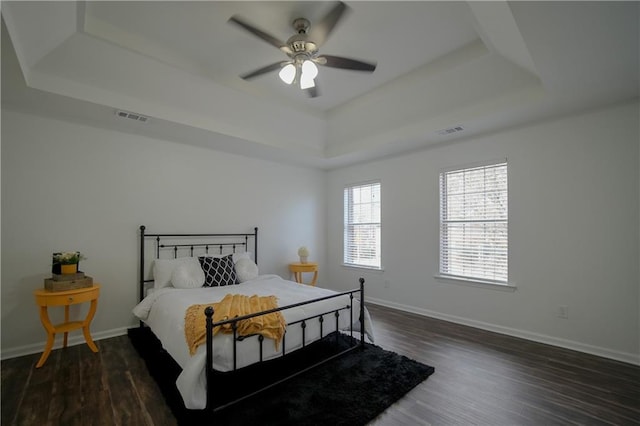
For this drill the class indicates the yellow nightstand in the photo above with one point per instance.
(45, 298)
(298, 269)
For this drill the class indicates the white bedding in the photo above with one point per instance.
(164, 309)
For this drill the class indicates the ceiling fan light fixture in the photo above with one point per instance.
(306, 82)
(288, 73)
(309, 69)
(309, 73)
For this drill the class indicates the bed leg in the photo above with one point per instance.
(208, 312)
(141, 282)
(361, 280)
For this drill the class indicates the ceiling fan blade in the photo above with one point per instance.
(257, 32)
(263, 70)
(321, 30)
(345, 63)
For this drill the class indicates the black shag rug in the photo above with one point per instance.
(352, 389)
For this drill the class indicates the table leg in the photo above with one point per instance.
(44, 318)
(66, 320)
(315, 278)
(87, 323)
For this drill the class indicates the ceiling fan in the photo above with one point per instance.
(302, 51)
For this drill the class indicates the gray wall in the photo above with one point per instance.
(573, 231)
(72, 187)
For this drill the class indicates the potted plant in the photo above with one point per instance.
(303, 252)
(68, 261)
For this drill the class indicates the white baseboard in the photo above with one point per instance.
(74, 339)
(630, 358)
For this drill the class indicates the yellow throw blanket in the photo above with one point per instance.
(235, 305)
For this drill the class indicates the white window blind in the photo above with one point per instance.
(474, 223)
(362, 225)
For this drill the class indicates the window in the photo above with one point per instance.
(362, 225)
(474, 223)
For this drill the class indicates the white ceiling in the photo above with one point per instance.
(480, 65)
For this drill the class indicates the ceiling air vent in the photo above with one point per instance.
(450, 130)
(132, 116)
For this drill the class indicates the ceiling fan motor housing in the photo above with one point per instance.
(300, 43)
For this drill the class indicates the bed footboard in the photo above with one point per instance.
(210, 325)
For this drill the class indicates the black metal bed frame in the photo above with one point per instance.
(233, 241)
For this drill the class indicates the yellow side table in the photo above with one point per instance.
(298, 269)
(46, 298)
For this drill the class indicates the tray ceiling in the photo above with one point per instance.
(482, 66)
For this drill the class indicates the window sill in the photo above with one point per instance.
(366, 268)
(476, 283)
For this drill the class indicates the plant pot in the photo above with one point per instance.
(69, 269)
(303, 259)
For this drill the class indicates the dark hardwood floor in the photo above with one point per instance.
(481, 378)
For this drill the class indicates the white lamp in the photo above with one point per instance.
(309, 72)
(288, 73)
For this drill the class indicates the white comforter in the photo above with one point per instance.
(164, 310)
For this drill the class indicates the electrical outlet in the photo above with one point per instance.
(563, 312)
(387, 284)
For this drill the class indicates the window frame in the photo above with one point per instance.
(473, 280)
(345, 223)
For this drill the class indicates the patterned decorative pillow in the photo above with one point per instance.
(218, 271)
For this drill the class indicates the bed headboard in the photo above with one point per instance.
(182, 245)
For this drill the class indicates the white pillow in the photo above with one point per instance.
(163, 269)
(243, 255)
(246, 270)
(188, 275)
